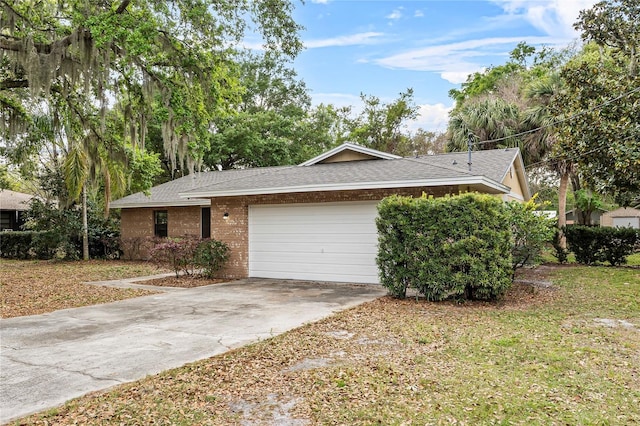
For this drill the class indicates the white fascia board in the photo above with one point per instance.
(467, 180)
(187, 202)
(352, 147)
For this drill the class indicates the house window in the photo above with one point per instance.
(5, 220)
(205, 224)
(160, 223)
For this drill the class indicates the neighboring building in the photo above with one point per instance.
(12, 207)
(622, 217)
(574, 217)
(316, 220)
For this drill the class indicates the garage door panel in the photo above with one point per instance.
(323, 241)
(626, 222)
(304, 271)
(333, 259)
(302, 229)
(308, 220)
(320, 237)
(314, 276)
(303, 247)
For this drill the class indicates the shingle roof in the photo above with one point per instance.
(488, 169)
(12, 200)
(426, 170)
(166, 194)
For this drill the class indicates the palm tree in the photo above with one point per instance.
(545, 139)
(487, 118)
(85, 163)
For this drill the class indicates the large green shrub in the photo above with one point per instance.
(601, 244)
(457, 246)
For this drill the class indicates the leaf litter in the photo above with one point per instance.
(399, 362)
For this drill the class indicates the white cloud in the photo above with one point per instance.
(454, 61)
(396, 14)
(320, 1)
(347, 40)
(553, 17)
(431, 117)
(457, 77)
(418, 14)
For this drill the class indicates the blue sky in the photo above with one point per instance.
(382, 48)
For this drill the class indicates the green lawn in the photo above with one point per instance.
(569, 355)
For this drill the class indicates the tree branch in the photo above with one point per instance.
(13, 84)
(123, 6)
(16, 45)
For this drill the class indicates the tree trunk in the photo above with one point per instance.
(562, 208)
(85, 225)
(107, 193)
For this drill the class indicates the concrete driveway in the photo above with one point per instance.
(48, 359)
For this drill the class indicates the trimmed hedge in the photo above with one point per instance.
(28, 244)
(451, 247)
(601, 244)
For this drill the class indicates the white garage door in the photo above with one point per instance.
(323, 242)
(626, 222)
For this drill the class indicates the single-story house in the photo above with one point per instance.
(12, 207)
(315, 220)
(622, 217)
(576, 216)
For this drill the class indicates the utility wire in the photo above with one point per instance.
(630, 92)
(572, 155)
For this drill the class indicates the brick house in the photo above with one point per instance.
(316, 220)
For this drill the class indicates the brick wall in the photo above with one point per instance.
(138, 224)
(235, 229)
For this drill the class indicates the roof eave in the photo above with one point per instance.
(174, 203)
(354, 186)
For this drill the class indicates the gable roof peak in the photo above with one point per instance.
(362, 153)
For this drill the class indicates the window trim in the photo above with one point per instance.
(160, 230)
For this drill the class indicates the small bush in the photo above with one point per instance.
(601, 244)
(178, 253)
(531, 232)
(210, 256)
(134, 247)
(447, 247)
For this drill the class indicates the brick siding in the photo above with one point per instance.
(235, 229)
(138, 222)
